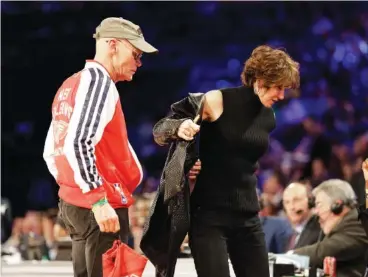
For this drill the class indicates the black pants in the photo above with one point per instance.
(216, 236)
(88, 243)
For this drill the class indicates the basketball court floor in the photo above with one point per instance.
(184, 268)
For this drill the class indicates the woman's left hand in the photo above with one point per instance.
(195, 170)
(193, 173)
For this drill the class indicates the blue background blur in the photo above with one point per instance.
(203, 45)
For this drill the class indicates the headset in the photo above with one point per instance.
(311, 201)
(338, 206)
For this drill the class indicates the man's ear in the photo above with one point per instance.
(112, 46)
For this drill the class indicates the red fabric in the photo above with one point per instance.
(122, 261)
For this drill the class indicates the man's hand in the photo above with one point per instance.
(187, 130)
(106, 218)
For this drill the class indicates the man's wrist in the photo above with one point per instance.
(99, 203)
(95, 195)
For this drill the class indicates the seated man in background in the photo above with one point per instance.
(345, 238)
(277, 229)
(298, 205)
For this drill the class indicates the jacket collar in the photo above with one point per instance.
(191, 106)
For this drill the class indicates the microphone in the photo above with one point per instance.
(300, 211)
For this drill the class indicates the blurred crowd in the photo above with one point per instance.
(321, 129)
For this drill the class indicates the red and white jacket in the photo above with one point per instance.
(87, 148)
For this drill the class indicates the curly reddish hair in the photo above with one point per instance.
(273, 66)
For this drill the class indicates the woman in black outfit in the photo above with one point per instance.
(234, 134)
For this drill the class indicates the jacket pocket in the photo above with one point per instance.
(77, 220)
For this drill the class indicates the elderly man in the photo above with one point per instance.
(87, 148)
(344, 238)
(298, 204)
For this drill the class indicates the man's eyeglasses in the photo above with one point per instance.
(136, 55)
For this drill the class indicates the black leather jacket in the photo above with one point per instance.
(169, 218)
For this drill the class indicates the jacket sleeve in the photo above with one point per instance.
(347, 244)
(165, 130)
(48, 152)
(95, 104)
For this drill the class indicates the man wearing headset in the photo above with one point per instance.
(345, 239)
(298, 204)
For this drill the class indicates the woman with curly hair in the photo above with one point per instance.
(234, 135)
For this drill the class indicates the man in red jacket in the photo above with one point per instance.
(87, 148)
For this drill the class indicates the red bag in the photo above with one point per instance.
(122, 261)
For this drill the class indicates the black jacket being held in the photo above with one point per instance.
(169, 218)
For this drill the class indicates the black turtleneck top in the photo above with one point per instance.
(229, 149)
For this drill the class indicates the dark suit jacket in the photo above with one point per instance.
(277, 233)
(310, 233)
(347, 242)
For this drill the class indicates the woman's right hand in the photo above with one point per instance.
(187, 130)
